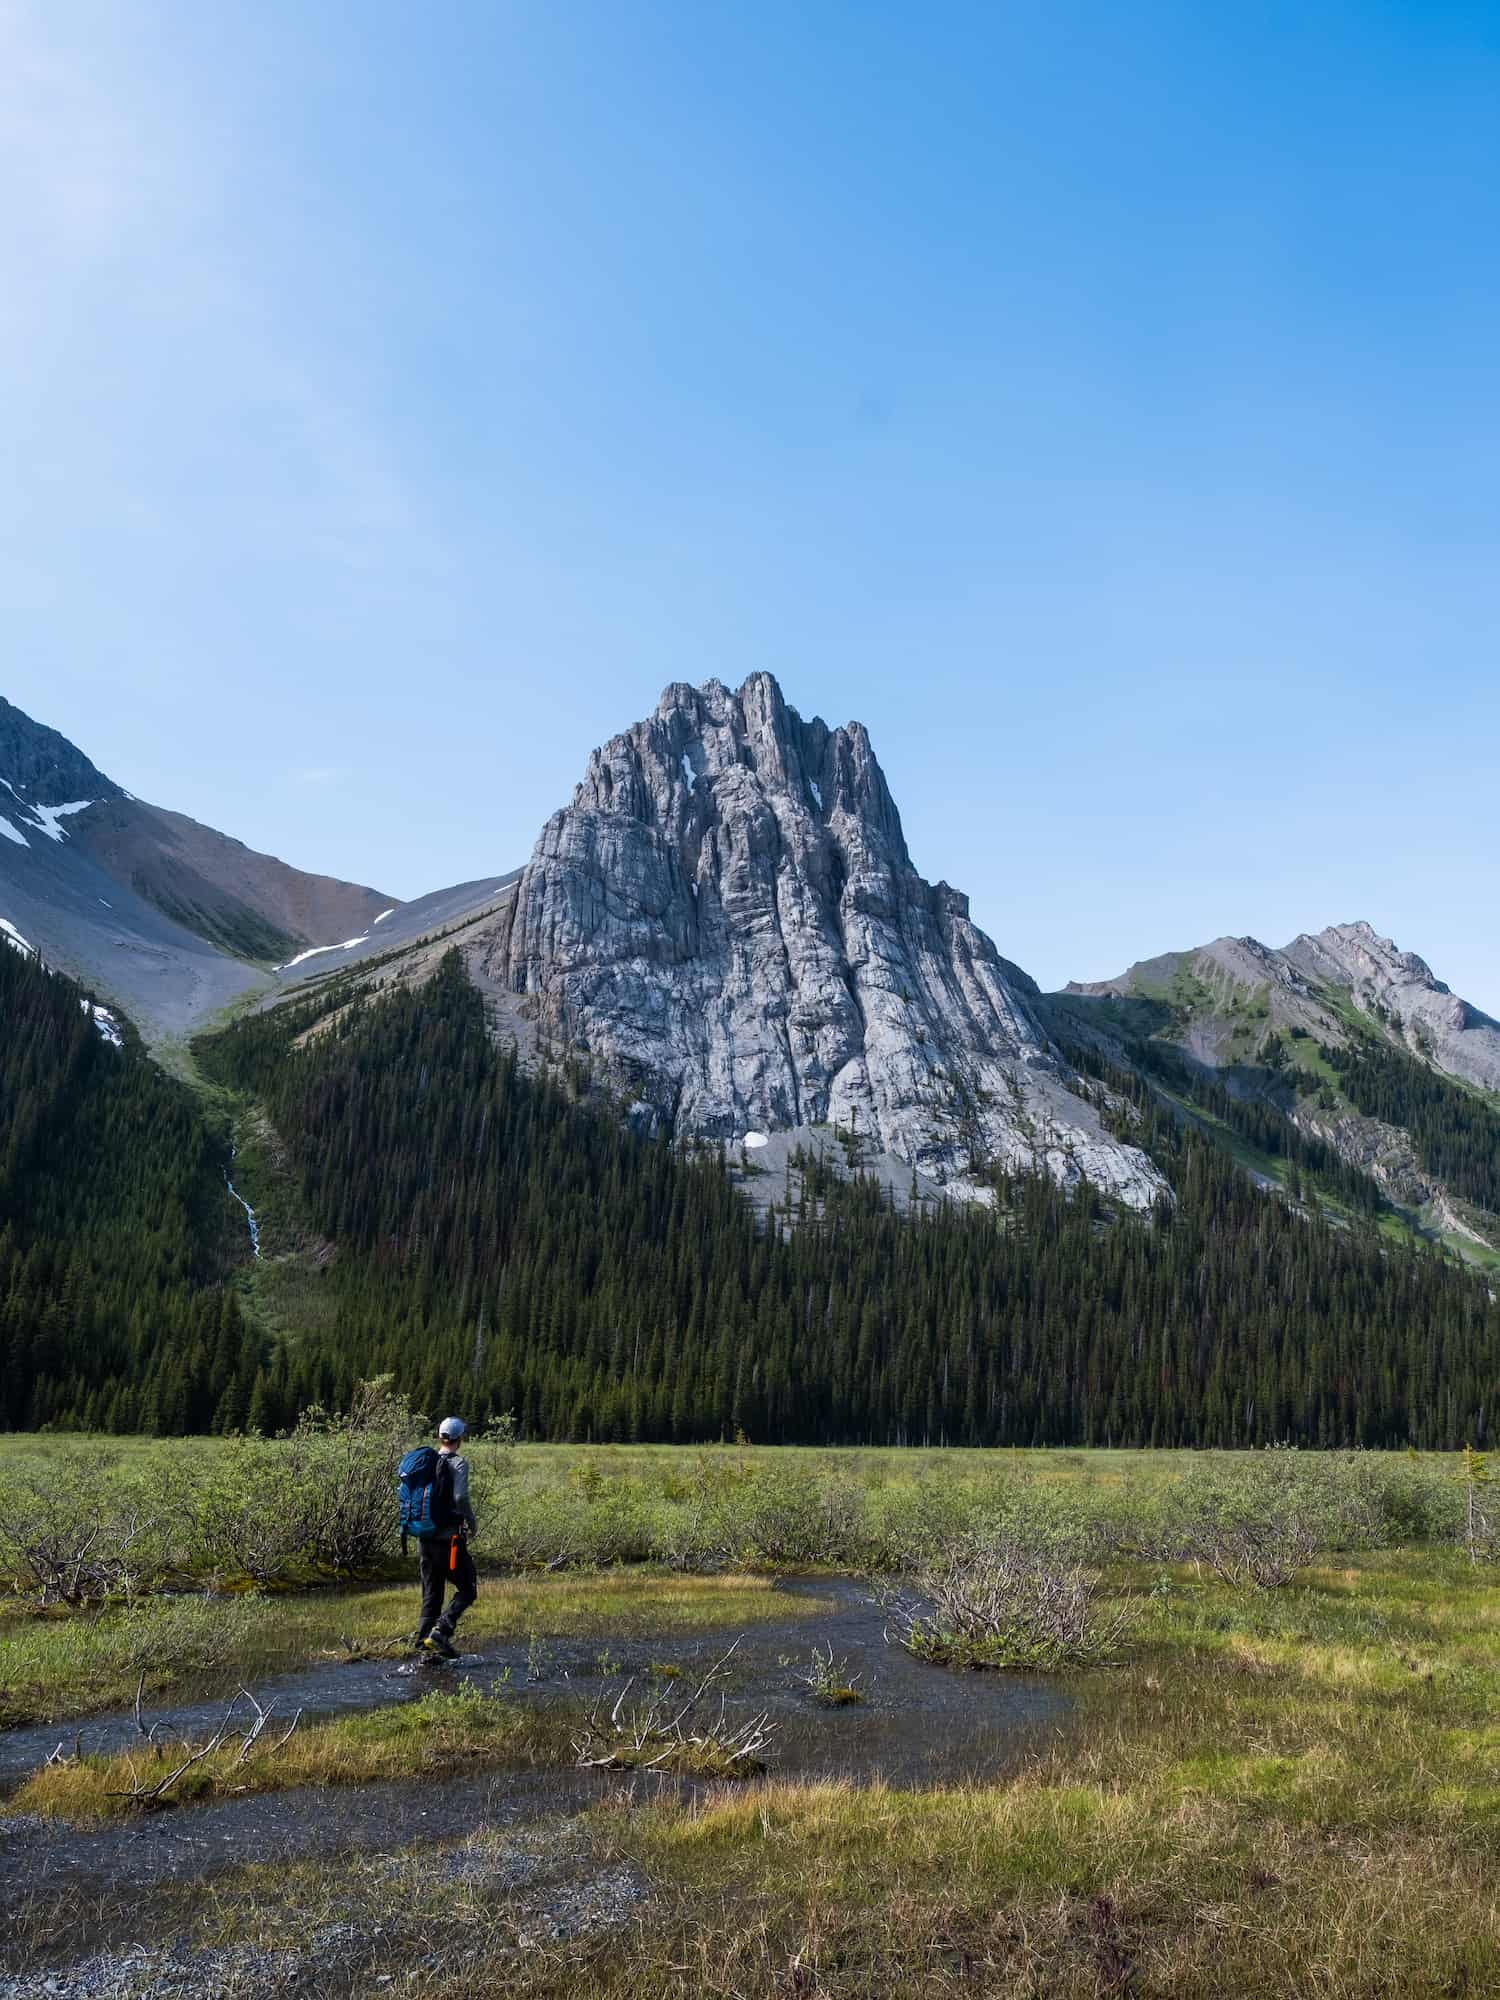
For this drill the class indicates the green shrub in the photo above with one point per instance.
(1258, 1520)
(246, 1511)
(999, 1604)
(767, 1518)
(67, 1666)
(69, 1535)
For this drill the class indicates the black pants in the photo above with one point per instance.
(445, 1562)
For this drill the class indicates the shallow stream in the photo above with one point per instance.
(917, 1726)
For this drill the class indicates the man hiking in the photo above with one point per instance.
(436, 1508)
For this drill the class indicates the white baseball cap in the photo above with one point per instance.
(452, 1427)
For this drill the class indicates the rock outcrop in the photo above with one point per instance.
(727, 917)
(1384, 980)
(1258, 1018)
(1297, 987)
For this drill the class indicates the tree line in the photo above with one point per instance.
(1456, 1133)
(506, 1242)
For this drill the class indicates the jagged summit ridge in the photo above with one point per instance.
(728, 916)
(44, 781)
(1456, 1036)
(1379, 977)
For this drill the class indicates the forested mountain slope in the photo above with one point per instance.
(1205, 1203)
(115, 1228)
(502, 1243)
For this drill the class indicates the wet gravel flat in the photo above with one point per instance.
(917, 1726)
(551, 1887)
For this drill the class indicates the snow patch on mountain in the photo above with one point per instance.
(13, 833)
(51, 815)
(101, 1017)
(48, 818)
(313, 951)
(105, 1022)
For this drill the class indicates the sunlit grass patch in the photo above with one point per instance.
(1073, 1894)
(838, 1891)
(437, 1734)
(73, 1663)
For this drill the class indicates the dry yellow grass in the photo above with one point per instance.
(427, 1738)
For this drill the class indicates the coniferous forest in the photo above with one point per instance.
(1456, 1133)
(114, 1235)
(503, 1241)
(506, 1247)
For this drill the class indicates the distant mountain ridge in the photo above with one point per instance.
(726, 923)
(1354, 1040)
(169, 918)
(1378, 976)
(40, 767)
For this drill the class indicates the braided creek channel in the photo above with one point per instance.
(918, 1726)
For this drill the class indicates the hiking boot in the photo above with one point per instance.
(442, 1645)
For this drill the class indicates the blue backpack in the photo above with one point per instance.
(423, 1513)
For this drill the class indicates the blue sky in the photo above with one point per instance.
(1098, 401)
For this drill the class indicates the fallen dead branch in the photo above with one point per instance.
(246, 1737)
(664, 1732)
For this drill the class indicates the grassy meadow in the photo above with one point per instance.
(1285, 1779)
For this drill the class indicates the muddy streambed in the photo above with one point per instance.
(917, 1726)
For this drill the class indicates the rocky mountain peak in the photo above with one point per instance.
(1393, 986)
(1383, 979)
(41, 771)
(728, 917)
(751, 741)
(161, 914)
(1356, 953)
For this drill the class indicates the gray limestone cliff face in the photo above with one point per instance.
(727, 916)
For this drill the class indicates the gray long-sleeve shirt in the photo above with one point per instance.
(458, 1472)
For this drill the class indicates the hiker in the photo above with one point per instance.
(436, 1511)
